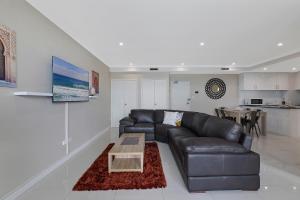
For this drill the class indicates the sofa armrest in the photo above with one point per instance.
(206, 145)
(246, 141)
(127, 121)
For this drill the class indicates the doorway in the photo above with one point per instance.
(124, 97)
(181, 95)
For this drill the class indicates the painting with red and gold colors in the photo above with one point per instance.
(95, 81)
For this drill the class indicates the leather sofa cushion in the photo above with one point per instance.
(180, 132)
(127, 121)
(187, 119)
(161, 132)
(199, 120)
(175, 136)
(162, 129)
(210, 145)
(142, 116)
(217, 164)
(140, 128)
(159, 116)
(222, 128)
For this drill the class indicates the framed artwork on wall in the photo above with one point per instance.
(7, 57)
(95, 83)
(69, 82)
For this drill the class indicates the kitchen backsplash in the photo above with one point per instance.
(271, 97)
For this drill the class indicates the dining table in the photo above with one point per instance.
(238, 113)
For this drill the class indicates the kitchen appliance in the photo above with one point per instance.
(256, 101)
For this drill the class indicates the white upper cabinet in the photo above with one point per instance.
(248, 81)
(264, 81)
(283, 81)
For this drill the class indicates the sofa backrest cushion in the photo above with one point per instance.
(199, 120)
(159, 116)
(222, 128)
(187, 119)
(142, 115)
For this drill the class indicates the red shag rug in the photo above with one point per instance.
(98, 178)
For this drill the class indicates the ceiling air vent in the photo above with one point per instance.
(153, 69)
(225, 68)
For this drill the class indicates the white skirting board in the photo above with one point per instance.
(32, 181)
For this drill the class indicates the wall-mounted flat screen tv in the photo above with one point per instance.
(69, 83)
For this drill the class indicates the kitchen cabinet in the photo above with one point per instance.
(277, 120)
(283, 81)
(283, 121)
(280, 121)
(264, 81)
(248, 81)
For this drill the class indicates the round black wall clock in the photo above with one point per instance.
(215, 88)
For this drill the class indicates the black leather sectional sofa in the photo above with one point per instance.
(211, 153)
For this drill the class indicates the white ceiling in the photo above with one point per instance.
(166, 33)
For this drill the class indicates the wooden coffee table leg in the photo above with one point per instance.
(109, 162)
(142, 163)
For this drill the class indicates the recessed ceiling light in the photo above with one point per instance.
(180, 69)
(280, 44)
(233, 63)
(132, 69)
(294, 188)
(121, 44)
(294, 68)
(202, 43)
(265, 69)
(266, 187)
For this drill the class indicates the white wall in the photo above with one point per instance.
(201, 102)
(32, 129)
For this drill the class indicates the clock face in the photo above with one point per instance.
(215, 88)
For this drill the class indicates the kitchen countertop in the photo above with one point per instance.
(273, 106)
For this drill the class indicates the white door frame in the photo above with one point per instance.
(137, 92)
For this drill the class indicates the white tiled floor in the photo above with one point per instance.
(279, 151)
(275, 184)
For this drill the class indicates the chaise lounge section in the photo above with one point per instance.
(211, 153)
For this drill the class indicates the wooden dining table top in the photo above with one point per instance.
(236, 110)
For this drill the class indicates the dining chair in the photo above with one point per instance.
(258, 115)
(217, 112)
(251, 123)
(245, 118)
(224, 116)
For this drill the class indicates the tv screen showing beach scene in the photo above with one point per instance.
(69, 83)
